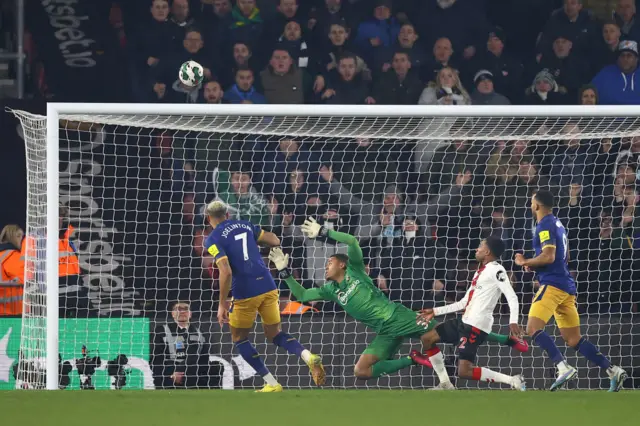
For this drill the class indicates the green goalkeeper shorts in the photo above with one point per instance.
(402, 325)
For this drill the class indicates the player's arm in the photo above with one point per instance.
(268, 239)
(312, 229)
(225, 277)
(547, 255)
(512, 299)
(452, 307)
(281, 261)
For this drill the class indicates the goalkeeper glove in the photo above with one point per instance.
(281, 261)
(312, 229)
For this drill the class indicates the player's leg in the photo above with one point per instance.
(377, 360)
(543, 308)
(269, 311)
(516, 343)
(470, 340)
(242, 316)
(432, 353)
(568, 322)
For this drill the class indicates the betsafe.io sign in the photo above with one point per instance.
(105, 338)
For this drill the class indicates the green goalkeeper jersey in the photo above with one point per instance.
(357, 294)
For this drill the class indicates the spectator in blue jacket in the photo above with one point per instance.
(378, 32)
(244, 92)
(619, 84)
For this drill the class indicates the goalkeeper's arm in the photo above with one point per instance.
(313, 229)
(281, 261)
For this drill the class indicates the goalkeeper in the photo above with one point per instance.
(350, 287)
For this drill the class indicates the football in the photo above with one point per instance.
(191, 73)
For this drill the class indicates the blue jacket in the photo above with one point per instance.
(387, 31)
(234, 95)
(616, 88)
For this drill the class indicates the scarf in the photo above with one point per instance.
(239, 20)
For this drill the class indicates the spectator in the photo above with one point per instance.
(244, 92)
(625, 16)
(606, 52)
(345, 85)
(192, 50)
(619, 84)
(337, 46)
(630, 154)
(568, 68)
(484, 93)
(462, 22)
(572, 21)
(588, 95)
(544, 91)
(407, 42)
(287, 11)
(412, 268)
(321, 19)
(459, 156)
(212, 93)
(507, 71)
(447, 90)
(244, 201)
(156, 36)
(246, 23)
(180, 354)
(375, 220)
(398, 86)
(572, 162)
(442, 58)
(181, 19)
(378, 32)
(609, 253)
(277, 163)
(12, 270)
(283, 82)
(242, 58)
(292, 41)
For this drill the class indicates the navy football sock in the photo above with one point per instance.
(249, 353)
(542, 339)
(592, 353)
(288, 342)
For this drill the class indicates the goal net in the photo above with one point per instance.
(419, 190)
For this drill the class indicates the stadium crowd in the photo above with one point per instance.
(419, 207)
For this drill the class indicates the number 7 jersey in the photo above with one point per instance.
(237, 240)
(551, 233)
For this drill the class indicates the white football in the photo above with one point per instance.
(191, 73)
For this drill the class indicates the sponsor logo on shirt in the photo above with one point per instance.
(344, 296)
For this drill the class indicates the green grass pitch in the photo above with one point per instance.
(318, 407)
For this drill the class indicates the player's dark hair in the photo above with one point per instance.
(545, 198)
(496, 245)
(341, 257)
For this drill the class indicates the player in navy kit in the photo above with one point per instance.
(557, 296)
(234, 246)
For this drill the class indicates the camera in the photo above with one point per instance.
(86, 368)
(116, 369)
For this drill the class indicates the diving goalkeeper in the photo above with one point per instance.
(350, 287)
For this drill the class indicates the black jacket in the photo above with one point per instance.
(183, 350)
(389, 90)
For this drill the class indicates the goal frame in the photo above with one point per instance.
(56, 111)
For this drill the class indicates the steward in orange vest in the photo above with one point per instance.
(12, 270)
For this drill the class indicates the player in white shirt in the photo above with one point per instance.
(489, 283)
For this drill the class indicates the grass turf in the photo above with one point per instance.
(318, 407)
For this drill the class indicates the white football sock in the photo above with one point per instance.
(270, 380)
(437, 361)
(306, 355)
(487, 375)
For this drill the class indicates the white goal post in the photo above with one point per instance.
(423, 129)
